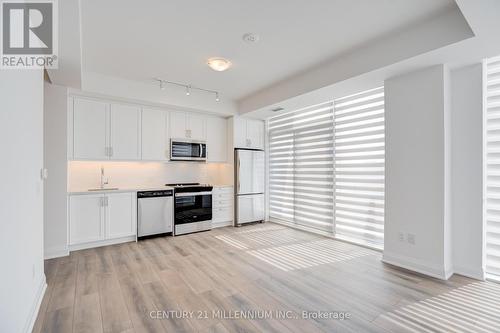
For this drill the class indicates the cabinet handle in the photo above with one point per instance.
(106, 151)
(106, 201)
(110, 151)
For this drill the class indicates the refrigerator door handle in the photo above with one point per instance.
(238, 173)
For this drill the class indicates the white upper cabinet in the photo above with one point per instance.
(248, 133)
(120, 220)
(186, 125)
(178, 125)
(90, 129)
(104, 131)
(196, 125)
(125, 132)
(155, 138)
(100, 130)
(240, 132)
(216, 139)
(255, 133)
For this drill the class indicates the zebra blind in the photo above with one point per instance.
(301, 167)
(492, 152)
(359, 167)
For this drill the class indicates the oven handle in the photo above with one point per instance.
(190, 194)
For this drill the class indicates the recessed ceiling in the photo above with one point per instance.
(139, 40)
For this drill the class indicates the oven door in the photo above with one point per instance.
(182, 150)
(193, 207)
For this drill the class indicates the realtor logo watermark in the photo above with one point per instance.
(29, 36)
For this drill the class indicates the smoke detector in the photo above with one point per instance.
(251, 38)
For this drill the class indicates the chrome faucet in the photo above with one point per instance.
(104, 180)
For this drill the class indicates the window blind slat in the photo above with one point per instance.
(492, 157)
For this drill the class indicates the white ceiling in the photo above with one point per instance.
(139, 40)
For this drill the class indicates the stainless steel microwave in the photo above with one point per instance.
(188, 150)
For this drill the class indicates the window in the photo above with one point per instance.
(492, 159)
(326, 167)
(359, 167)
(301, 167)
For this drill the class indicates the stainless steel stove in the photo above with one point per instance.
(192, 207)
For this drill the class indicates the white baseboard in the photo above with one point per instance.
(56, 252)
(102, 243)
(35, 307)
(416, 265)
(477, 274)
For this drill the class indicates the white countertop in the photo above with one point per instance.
(129, 189)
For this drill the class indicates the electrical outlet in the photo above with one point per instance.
(411, 239)
(401, 237)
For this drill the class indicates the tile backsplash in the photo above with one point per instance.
(83, 175)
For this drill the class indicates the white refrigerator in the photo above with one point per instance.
(249, 171)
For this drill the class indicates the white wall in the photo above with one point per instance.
(83, 175)
(467, 132)
(22, 280)
(415, 171)
(55, 161)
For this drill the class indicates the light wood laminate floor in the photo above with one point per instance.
(210, 280)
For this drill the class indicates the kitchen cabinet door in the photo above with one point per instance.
(120, 217)
(255, 134)
(125, 132)
(196, 124)
(155, 140)
(239, 132)
(90, 129)
(178, 125)
(216, 139)
(86, 218)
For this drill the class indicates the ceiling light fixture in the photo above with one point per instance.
(187, 87)
(218, 64)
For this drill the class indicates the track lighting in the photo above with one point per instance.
(187, 87)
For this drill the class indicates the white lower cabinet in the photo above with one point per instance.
(98, 218)
(120, 218)
(86, 215)
(222, 206)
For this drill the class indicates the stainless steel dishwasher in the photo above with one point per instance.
(155, 213)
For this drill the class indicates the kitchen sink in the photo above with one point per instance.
(104, 189)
